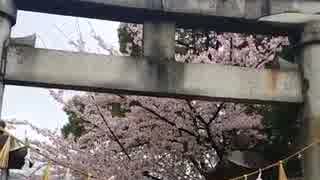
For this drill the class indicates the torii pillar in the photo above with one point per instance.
(309, 59)
(8, 14)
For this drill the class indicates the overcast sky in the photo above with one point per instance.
(53, 32)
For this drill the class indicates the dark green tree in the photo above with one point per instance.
(74, 126)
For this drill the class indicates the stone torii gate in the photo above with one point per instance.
(156, 74)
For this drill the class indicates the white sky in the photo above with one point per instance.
(35, 104)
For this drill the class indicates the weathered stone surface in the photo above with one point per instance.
(145, 76)
(311, 88)
(222, 15)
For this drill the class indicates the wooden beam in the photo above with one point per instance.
(148, 76)
(221, 15)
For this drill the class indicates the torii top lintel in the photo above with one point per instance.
(220, 15)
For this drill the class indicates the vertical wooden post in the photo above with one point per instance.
(4, 35)
(310, 66)
(4, 172)
(7, 20)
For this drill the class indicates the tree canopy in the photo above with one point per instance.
(136, 137)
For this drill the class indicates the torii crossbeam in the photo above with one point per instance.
(222, 15)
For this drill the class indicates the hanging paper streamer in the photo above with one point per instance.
(245, 177)
(260, 175)
(282, 173)
(68, 175)
(4, 154)
(300, 156)
(46, 172)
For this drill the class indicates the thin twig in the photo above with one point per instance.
(109, 128)
(216, 114)
(166, 120)
(197, 115)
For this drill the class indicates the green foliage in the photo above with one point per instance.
(73, 127)
(282, 128)
(282, 123)
(288, 54)
(124, 39)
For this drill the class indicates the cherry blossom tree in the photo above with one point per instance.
(135, 137)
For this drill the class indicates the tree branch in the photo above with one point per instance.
(164, 119)
(197, 166)
(137, 145)
(148, 175)
(213, 143)
(207, 43)
(207, 128)
(109, 128)
(197, 115)
(231, 50)
(179, 42)
(216, 114)
(88, 122)
(193, 119)
(269, 54)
